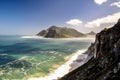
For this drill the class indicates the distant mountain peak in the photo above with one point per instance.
(53, 27)
(91, 33)
(60, 32)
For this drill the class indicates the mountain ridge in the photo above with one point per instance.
(91, 33)
(60, 32)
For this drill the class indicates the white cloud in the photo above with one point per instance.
(99, 2)
(117, 4)
(104, 20)
(74, 22)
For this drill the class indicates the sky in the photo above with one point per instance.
(28, 17)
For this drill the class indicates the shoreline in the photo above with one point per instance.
(32, 36)
(65, 68)
(40, 37)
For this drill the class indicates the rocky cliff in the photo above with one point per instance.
(60, 32)
(105, 63)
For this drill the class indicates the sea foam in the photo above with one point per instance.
(65, 68)
(34, 37)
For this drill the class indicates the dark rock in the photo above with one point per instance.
(105, 63)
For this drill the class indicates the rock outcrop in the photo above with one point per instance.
(60, 32)
(105, 63)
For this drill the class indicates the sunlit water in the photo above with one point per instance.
(22, 58)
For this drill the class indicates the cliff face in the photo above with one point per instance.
(60, 32)
(105, 63)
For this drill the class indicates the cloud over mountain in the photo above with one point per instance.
(99, 2)
(104, 20)
(117, 4)
(74, 22)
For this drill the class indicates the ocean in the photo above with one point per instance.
(32, 58)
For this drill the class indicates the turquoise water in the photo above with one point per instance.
(21, 58)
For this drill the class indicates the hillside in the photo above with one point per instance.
(105, 63)
(60, 32)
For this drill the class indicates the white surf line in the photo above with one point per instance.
(34, 37)
(62, 70)
(39, 37)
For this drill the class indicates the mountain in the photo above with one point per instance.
(60, 32)
(105, 63)
(91, 33)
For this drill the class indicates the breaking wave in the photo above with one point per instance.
(65, 68)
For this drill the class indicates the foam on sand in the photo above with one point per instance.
(63, 69)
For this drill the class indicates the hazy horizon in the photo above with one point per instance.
(28, 17)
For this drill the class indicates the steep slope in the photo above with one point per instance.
(60, 32)
(105, 63)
